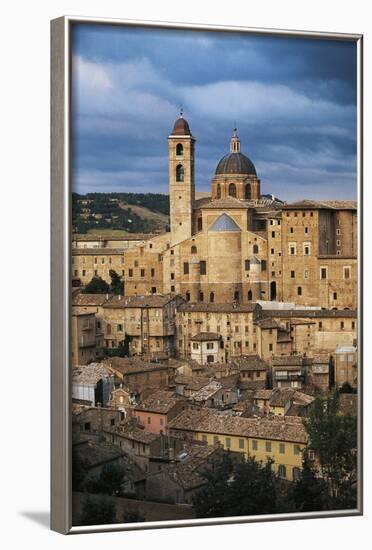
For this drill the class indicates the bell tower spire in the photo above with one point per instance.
(235, 142)
(181, 180)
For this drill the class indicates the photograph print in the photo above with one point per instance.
(214, 275)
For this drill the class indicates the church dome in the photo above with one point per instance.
(236, 163)
(181, 128)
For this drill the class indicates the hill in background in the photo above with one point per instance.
(124, 212)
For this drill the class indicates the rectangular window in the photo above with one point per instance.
(338, 242)
(306, 249)
(241, 443)
(273, 234)
(210, 345)
(292, 249)
(291, 229)
(347, 272)
(228, 442)
(130, 272)
(203, 267)
(296, 449)
(282, 448)
(172, 276)
(293, 274)
(272, 251)
(268, 446)
(120, 328)
(306, 229)
(186, 268)
(270, 348)
(263, 265)
(320, 325)
(152, 272)
(142, 272)
(324, 272)
(215, 439)
(335, 295)
(247, 265)
(306, 274)
(342, 325)
(254, 444)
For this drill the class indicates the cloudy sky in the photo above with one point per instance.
(293, 101)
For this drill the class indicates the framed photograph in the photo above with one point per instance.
(206, 275)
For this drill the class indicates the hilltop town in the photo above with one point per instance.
(215, 350)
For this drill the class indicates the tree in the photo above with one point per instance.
(308, 493)
(347, 388)
(121, 351)
(109, 481)
(235, 489)
(333, 437)
(96, 286)
(117, 285)
(97, 510)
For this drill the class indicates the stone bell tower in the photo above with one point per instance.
(181, 180)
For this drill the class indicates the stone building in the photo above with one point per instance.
(155, 411)
(346, 361)
(139, 376)
(207, 347)
(147, 322)
(86, 338)
(249, 328)
(233, 322)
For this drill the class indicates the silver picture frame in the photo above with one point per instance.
(61, 82)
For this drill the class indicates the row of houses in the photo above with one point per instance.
(165, 326)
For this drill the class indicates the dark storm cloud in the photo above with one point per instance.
(292, 99)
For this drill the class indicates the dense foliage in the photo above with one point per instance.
(99, 286)
(237, 488)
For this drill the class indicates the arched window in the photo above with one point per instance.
(218, 191)
(248, 191)
(250, 295)
(211, 297)
(232, 190)
(299, 291)
(255, 249)
(179, 150)
(180, 173)
(201, 296)
(193, 249)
